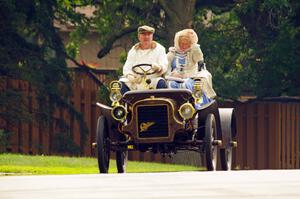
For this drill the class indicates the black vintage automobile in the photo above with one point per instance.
(163, 121)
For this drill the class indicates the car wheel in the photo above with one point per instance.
(226, 158)
(103, 146)
(121, 159)
(228, 124)
(210, 148)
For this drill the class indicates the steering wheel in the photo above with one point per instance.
(148, 70)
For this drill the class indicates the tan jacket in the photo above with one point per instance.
(193, 55)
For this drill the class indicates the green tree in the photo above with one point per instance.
(274, 32)
(31, 50)
(251, 47)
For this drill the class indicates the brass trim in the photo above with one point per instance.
(174, 123)
(158, 99)
(115, 85)
(144, 126)
(197, 87)
(137, 125)
(190, 105)
(123, 118)
(116, 92)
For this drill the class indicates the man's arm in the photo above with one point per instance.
(162, 60)
(127, 68)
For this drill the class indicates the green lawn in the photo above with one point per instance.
(18, 164)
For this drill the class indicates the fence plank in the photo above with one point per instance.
(14, 138)
(24, 137)
(35, 146)
(251, 144)
(273, 136)
(297, 138)
(283, 136)
(241, 135)
(133, 155)
(87, 116)
(16, 142)
(44, 134)
(94, 118)
(147, 156)
(293, 135)
(288, 136)
(261, 151)
(278, 137)
(157, 157)
(77, 105)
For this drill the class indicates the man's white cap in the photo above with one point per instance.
(145, 28)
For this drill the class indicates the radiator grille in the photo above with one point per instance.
(152, 121)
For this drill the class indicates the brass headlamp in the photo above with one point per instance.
(198, 93)
(115, 92)
(119, 113)
(186, 111)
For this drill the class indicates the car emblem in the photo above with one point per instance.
(144, 126)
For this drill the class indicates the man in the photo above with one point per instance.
(148, 52)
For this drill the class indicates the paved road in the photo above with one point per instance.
(267, 184)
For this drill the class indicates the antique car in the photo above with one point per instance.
(163, 121)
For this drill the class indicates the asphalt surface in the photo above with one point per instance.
(264, 184)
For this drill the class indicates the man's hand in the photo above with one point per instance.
(176, 74)
(156, 68)
(134, 78)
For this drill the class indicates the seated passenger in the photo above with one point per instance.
(146, 52)
(183, 61)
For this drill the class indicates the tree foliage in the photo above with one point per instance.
(31, 50)
(251, 47)
(273, 29)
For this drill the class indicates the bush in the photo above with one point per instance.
(64, 144)
(4, 140)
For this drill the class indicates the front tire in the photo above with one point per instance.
(121, 159)
(226, 158)
(228, 122)
(103, 145)
(210, 149)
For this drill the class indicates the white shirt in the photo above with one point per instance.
(155, 55)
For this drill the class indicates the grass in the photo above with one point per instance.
(18, 164)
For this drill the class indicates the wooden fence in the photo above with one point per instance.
(35, 138)
(268, 134)
(268, 131)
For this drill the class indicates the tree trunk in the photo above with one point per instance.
(179, 15)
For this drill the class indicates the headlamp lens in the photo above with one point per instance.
(198, 94)
(115, 96)
(186, 111)
(119, 113)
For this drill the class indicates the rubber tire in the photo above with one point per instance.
(226, 153)
(211, 151)
(103, 147)
(226, 158)
(121, 160)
